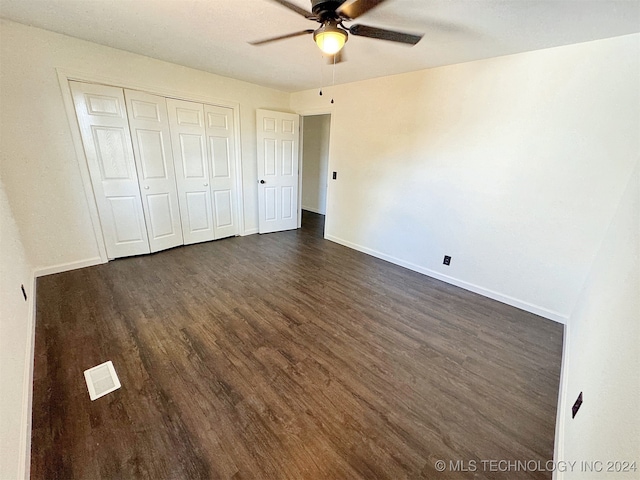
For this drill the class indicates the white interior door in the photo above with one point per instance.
(278, 139)
(220, 142)
(149, 126)
(188, 140)
(102, 117)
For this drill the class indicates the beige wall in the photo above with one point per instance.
(39, 162)
(512, 165)
(602, 355)
(16, 327)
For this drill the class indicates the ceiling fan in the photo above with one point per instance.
(333, 33)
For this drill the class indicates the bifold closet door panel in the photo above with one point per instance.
(221, 145)
(188, 142)
(102, 118)
(149, 125)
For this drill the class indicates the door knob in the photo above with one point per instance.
(262, 181)
(206, 184)
(146, 187)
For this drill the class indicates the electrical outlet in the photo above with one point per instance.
(24, 293)
(447, 260)
(576, 406)
(335, 175)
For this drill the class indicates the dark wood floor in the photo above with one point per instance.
(285, 356)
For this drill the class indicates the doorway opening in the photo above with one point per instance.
(314, 166)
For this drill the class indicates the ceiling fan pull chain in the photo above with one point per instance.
(333, 80)
(321, 78)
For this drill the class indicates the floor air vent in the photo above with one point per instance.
(101, 380)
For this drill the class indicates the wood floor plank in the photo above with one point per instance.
(285, 356)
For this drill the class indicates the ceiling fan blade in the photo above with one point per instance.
(282, 37)
(382, 34)
(297, 9)
(358, 7)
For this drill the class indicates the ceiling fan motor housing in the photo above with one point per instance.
(326, 9)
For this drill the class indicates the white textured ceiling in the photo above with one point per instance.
(212, 35)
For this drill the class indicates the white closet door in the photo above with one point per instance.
(149, 125)
(188, 140)
(220, 142)
(102, 117)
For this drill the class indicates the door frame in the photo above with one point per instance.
(64, 75)
(310, 113)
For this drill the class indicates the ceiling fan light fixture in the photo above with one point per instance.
(329, 38)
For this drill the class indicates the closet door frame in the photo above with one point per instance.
(65, 75)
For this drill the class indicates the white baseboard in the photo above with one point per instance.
(561, 411)
(65, 267)
(314, 210)
(514, 302)
(249, 231)
(24, 462)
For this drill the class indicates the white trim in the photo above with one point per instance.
(561, 410)
(514, 302)
(239, 172)
(24, 460)
(314, 210)
(65, 267)
(64, 75)
(315, 111)
(300, 167)
(250, 231)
